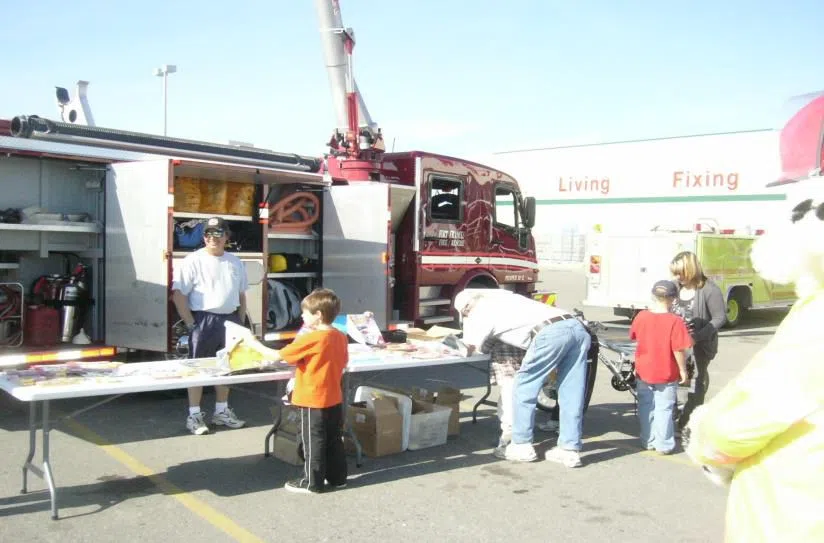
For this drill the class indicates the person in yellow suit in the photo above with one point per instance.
(763, 434)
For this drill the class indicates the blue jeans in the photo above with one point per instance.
(655, 409)
(564, 345)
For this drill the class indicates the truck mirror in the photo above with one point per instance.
(529, 212)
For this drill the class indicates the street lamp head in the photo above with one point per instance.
(165, 70)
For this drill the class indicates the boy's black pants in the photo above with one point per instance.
(324, 459)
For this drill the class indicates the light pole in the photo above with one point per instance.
(164, 73)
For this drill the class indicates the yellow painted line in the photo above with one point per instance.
(201, 509)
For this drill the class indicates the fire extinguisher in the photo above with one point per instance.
(73, 302)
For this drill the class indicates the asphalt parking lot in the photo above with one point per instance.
(128, 471)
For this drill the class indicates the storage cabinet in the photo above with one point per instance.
(142, 250)
(61, 207)
(293, 253)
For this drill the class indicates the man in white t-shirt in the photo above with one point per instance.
(553, 338)
(209, 288)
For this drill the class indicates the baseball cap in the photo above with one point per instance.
(665, 289)
(216, 223)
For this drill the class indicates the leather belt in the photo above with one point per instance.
(540, 326)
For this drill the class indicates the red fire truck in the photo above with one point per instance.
(95, 220)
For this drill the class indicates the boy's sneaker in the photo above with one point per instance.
(549, 426)
(300, 486)
(685, 438)
(227, 418)
(520, 452)
(196, 424)
(335, 487)
(571, 459)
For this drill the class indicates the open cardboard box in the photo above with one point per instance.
(446, 396)
(378, 427)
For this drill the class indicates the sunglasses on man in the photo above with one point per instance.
(214, 233)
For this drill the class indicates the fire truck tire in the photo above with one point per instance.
(736, 307)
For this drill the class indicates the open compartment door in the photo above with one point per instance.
(137, 262)
(356, 230)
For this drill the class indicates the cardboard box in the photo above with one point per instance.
(430, 425)
(379, 428)
(446, 396)
(366, 393)
(451, 397)
(435, 333)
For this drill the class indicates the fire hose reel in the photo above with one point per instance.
(295, 213)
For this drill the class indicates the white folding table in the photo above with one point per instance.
(138, 377)
(181, 374)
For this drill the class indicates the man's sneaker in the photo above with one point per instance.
(300, 486)
(503, 441)
(227, 418)
(196, 424)
(571, 459)
(335, 487)
(520, 452)
(549, 426)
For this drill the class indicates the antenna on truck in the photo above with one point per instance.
(75, 110)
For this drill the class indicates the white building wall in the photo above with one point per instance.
(637, 186)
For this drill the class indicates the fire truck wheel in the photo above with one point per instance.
(735, 309)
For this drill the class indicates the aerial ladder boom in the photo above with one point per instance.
(356, 135)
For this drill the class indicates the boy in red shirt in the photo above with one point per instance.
(321, 355)
(660, 364)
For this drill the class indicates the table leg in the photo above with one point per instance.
(347, 398)
(32, 444)
(483, 400)
(47, 472)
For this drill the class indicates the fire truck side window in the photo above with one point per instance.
(445, 199)
(505, 208)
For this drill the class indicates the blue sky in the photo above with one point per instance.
(453, 76)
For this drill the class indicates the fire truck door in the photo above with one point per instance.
(356, 230)
(137, 266)
(508, 236)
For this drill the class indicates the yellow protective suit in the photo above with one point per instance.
(768, 425)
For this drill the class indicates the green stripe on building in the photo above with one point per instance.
(668, 199)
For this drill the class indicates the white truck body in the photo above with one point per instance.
(622, 268)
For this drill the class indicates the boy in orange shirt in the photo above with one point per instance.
(321, 355)
(660, 364)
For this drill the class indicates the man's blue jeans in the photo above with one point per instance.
(655, 407)
(564, 345)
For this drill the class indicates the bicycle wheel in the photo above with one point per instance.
(548, 396)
